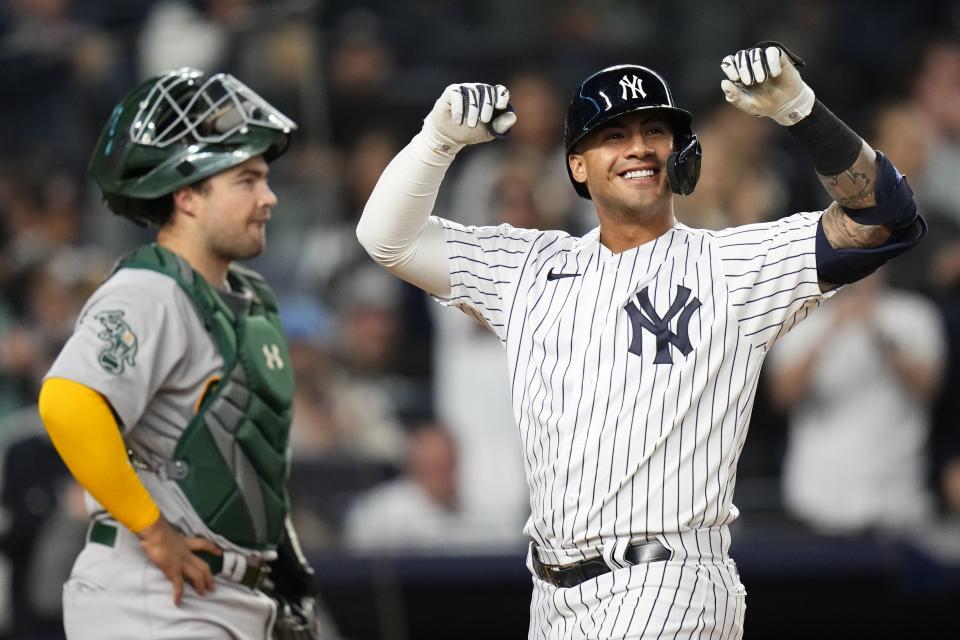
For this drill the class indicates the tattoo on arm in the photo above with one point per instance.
(843, 232)
(853, 188)
(857, 200)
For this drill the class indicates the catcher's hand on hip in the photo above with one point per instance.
(173, 553)
(763, 81)
(471, 113)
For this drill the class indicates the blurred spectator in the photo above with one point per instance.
(365, 89)
(48, 296)
(951, 485)
(330, 248)
(740, 179)
(419, 511)
(946, 436)
(43, 215)
(40, 504)
(309, 330)
(50, 57)
(858, 378)
(180, 33)
(286, 56)
(901, 131)
(473, 397)
(367, 395)
(936, 93)
(472, 394)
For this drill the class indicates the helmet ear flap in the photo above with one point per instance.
(683, 166)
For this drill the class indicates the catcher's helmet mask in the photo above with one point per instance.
(177, 129)
(618, 90)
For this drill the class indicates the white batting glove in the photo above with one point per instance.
(763, 81)
(468, 113)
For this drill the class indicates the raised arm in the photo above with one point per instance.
(853, 189)
(873, 214)
(396, 228)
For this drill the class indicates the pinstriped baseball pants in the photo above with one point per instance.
(676, 599)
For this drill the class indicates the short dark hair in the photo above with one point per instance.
(153, 212)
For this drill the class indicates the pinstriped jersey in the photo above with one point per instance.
(633, 374)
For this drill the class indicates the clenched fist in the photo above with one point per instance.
(469, 113)
(763, 81)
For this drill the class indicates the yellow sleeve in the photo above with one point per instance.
(85, 434)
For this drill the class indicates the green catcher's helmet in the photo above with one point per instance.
(176, 129)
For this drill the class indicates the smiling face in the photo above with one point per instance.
(232, 209)
(622, 163)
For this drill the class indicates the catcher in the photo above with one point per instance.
(171, 401)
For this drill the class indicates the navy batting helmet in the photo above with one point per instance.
(615, 91)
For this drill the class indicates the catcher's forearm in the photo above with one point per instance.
(83, 430)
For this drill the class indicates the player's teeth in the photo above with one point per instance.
(633, 175)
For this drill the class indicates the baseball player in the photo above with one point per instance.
(634, 351)
(171, 401)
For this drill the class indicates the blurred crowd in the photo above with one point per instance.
(403, 437)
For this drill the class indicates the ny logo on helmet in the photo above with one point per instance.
(271, 354)
(634, 85)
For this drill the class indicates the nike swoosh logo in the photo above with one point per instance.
(556, 276)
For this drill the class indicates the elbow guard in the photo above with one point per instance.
(843, 266)
(895, 208)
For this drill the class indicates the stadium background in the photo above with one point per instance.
(374, 362)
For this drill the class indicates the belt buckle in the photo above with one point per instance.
(559, 575)
(262, 571)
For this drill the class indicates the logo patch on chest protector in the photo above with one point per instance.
(271, 355)
(121, 342)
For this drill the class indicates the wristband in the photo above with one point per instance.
(833, 145)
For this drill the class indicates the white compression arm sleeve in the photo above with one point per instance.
(396, 228)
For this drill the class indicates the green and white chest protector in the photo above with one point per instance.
(232, 460)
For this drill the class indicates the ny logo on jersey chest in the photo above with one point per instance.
(644, 317)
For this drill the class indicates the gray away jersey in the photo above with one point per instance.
(633, 374)
(140, 343)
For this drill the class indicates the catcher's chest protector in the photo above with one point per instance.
(231, 460)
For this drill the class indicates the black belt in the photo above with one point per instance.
(253, 575)
(570, 575)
